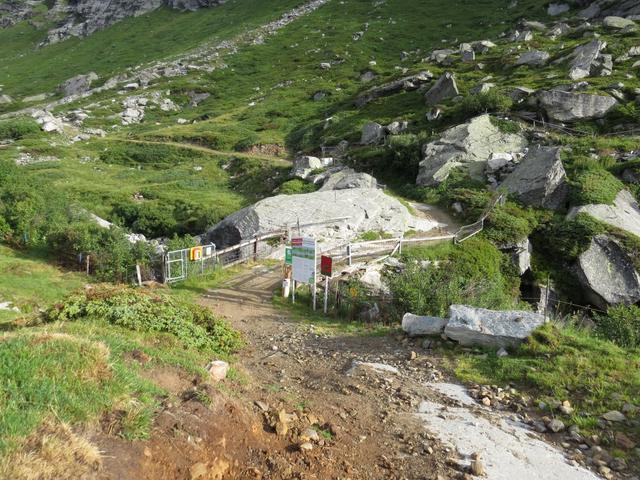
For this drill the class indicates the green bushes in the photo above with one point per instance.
(18, 128)
(489, 102)
(474, 273)
(150, 154)
(594, 185)
(621, 325)
(297, 185)
(113, 256)
(149, 311)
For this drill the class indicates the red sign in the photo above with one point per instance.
(326, 265)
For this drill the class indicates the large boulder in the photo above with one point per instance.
(584, 59)
(618, 23)
(607, 274)
(443, 89)
(416, 325)
(623, 214)
(469, 145)
(570, 107)
(365, 209)
(488, 328)
(539, 179)
(78, 84)
(407, 83)
(349, 178)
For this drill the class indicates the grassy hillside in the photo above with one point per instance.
(159, 34)
(30, 281)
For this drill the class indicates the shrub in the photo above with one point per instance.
(149, 311)
(594, 185)
(621, 325)
(151, 219)
(296, 185)
(473, 273)
(18, 128)
(563, 241)
(492, 101)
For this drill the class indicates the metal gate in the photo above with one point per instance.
(182, 264)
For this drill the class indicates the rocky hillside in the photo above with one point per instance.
(81, 18)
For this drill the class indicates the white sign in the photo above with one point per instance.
(304, 260)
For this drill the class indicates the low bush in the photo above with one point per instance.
(297, 185)
(473, 273)
(18, 128)
(489, 102)
(621, 325)
(594, 185)
(149, 311)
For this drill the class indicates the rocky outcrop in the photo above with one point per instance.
(571, 107)
(416, 325)
(604, 8)
(444, 89)
(488, 328)
(404, 84)
(539, 179)
(607, 274)
(84, 17)
(469, 145)
(78, 84)
(623, 214)
(365, 209)
(349, 178)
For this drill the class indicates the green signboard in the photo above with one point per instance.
(288, 256)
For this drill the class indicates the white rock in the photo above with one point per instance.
(218, 370)
(488, 328)
(416, 325)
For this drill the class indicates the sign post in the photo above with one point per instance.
(303, 263)
(326, 269)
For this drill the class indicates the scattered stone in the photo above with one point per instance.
(304, 165)
(376, 367)
(556, 9)
(556, 425)
(372, 134)
(614, 416)
(502, 352)
(218, 370)
(493, 329)
(584, 59)
(306, 447)
(5, 100)
(348, 178)
(415, 325)
(309, 435)
(404, 84)
(536, 58)
(444, 89)
(624, 442)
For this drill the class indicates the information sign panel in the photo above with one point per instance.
(303, 259)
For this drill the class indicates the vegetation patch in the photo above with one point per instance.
(559, 363)
(474, 273)
(594, 186)
(149, 311)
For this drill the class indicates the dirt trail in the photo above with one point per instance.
(367, 416)
(388, 419)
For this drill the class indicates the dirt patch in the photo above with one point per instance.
(268, 149)
(172, 379)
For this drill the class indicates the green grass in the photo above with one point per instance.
(133, 41)
(78, 367)
(564, 364)
(30, 281)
